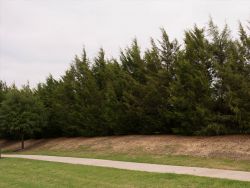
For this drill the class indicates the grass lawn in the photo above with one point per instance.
(149, 158)
(28, 173)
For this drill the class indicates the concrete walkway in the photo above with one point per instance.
(196, 171)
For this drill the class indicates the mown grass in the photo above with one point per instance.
(220, 163)
(23, 173)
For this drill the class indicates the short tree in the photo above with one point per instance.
(21, 114)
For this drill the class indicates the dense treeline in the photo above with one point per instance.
(199, 88)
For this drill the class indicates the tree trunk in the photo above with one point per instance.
(22, 141)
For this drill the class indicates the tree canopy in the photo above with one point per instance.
(21, 114)
(201, 87)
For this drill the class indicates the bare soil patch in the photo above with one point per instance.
(233, 146)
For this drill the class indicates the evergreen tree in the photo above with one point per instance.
(243, 70)
(51, 96)
(228, 80)
(21, 114)
(191, 89)
(104, 75)
(81, 99)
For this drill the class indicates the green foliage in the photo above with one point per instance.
(190, 99)
(202, 87)
(51, 95)
(21, 113)
(3, 90)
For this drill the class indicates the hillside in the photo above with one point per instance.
(230, 147)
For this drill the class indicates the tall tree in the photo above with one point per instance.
(21, 114)
(82, 99)
(191, 88)
(51, 96)
(228, 80)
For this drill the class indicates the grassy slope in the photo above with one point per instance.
(225, 152)
(27, 173)
(149, 158)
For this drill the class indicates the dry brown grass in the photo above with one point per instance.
(234, 146)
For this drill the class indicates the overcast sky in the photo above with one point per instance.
(38, 37)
